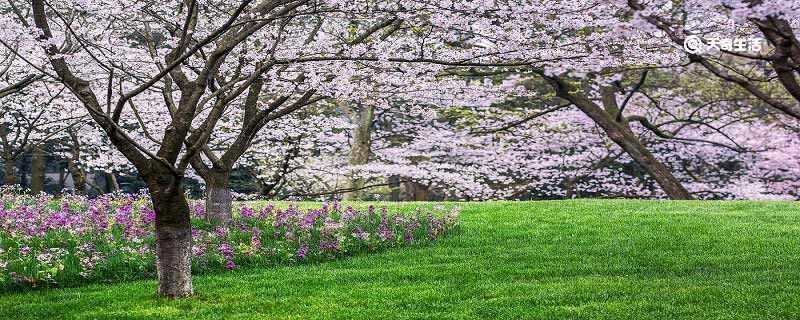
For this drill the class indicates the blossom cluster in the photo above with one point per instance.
(47, 241)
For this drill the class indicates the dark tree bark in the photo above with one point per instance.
(38, 166)
(173, 232)
(421, 192)
(23, 170)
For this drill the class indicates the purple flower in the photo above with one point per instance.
(198, 251)
(384, 233)
(255, 239)
(221, 232)
(198, 210)
(329, 246)
(302, 252)
(265, 212)
(227, 254)
(309, 219)
(230, 265)
(26, 250)
(246, 211)
(349, 214)
(148, 215)
(360, 234)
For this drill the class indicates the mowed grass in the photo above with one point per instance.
(583, 259)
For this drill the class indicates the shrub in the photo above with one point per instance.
(46, 241)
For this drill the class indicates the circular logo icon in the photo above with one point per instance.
(694, 45)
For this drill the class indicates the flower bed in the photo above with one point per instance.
(47, 242)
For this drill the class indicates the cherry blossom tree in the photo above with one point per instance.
(197, 87)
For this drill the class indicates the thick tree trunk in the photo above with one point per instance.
(173, 235)
(620, 133)
(360, 148)
(218, 197)
(38, 166)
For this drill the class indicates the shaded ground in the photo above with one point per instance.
(584, 259)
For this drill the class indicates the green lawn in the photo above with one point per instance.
(585, 259)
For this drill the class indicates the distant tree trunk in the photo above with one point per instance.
(23, 170)
(416, 191)
(173, 233)
(9, 171)
(78, 177)
(74, 167)
(421, 192)
(621, 134)
(219, 201)
(570, 187)
(62, 177)
(362, 117)
(38, 167)
(112, 185)
(394, 183)
(9, 161)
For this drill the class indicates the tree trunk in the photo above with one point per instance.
(62, 178)
(73, 164)
(22, 173)
(394, 183)
(621, 134)
(360, 148)
(111, 182)
(218, 197)
(420, 192)
(416, 191)
(9, 163)
(173, 235)
(78, 177)
(9, 172)
(628, 141)
(570, 187)
(38, 167)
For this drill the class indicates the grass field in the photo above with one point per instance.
(584, 259)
